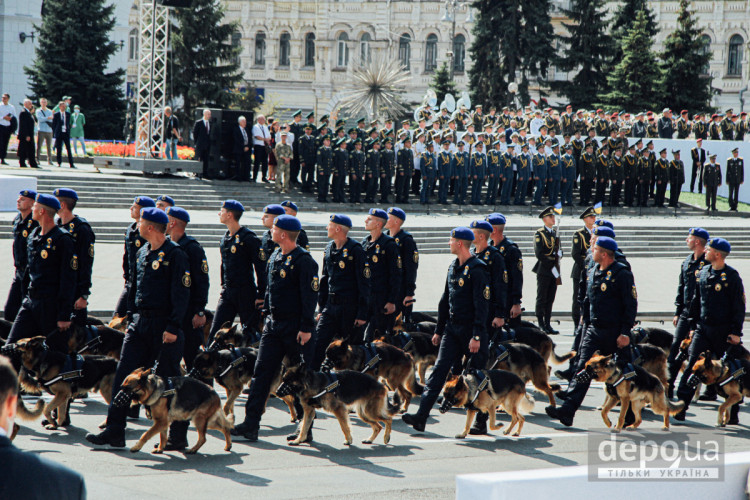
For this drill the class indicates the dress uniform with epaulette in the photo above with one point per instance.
(157, 303)
(547, 251)
(307, 157)
(428, 168)
(630, 169)
(506, 170)
(387, 170)
(460, 174)
(676, 178)
(588, 174)
(478, 172)
(462, 317)
(372, 171)
(51, 267)
(523, 169)
(661, 173)
(22, 228)
(344, 293)
(645, 174)
(133, 243)
(616, 177)
(356, 172)
(712, 181)
(289, 305)
(84, 239)
(602, 175)
(324, 166)
(444, 167)
(404, 171)
(241, 255)
(493, 172)
(735, 177)
(554, 174)
(340, 170)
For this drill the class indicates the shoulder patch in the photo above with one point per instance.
(262, 254)
(520, 264)
(74, 263)
(416, 257)
(186, 281)
(204, 266)
(91, 250)
(399, 263)
(486, 292)
(635, 293)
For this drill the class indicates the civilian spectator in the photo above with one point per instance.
(241, 148)
(77, 121)
(273, 129)
(171, 133)
(44, 118)
(261, 142)
(61, 127)
(202, 131)
(8, 125)
(26, 124)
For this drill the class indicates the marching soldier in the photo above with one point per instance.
(688, 278)
(477, 171)
(630, 169)
(698, 155)
(588, 173)
(462, 317)
(676, 178)
(404, 170)
(579, 251)
(661, 172)
(291, 209)
(717, 313)
(735, 178)
(513, 265)
(307, 154)
(602, 174)
(460, 174)
(340, 169)
(344, 294)
(409, 260)
(158, 302)
(240, 256)
(133, 243)
(324, 165)
(645, 174)
(548, 254)
(372, 171)
(444, 167)
(387, 170)
(84, 239)
(386, 265)
(23, 225)
(267, 245)
(712, 181)
(289, 304)
(163, 202)
(356, 171)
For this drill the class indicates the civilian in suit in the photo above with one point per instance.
(261, 142)
(202, 131)
(241, 149)
(61, 131)
(26, 150)
(26, 475)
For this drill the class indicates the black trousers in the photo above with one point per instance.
(308, 176)
(233, 301)
(294, 165)
(386, 187)
(36, 317)
(601, 188)
(629, 191)
(323, 186)
(121, 308)
(59, 141)
(203, 155)
(674, 194)
(379, 323)
(586, 186)
(643, 193)
(193, 342)
(402, 187)
(15, 297)
(454, 345)
(27, 151)
(711, 197)
(546, 289)
(279, 339)
(260, 162)
(5, 133)
(242, 163)
(576, 308)
(142, 347)
(734, 196)
(661, 190)
(681, 332)
(336, 321)
(339, 181)
(614, 193)
(416, 178)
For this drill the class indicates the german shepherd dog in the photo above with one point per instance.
(336, 393)
(233, 369)
(502, 388)
(232, 335)
(528, 364)
(654, 360)
(713, 371)
(120, 323)
(419, 345)
(654, 336)
(393, 365)
(24, 413)
(64, 376)
(641, 389)
(95, 339)
(191, 399)
(535, 338)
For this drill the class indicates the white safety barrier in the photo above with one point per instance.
(10, 185)
(572, 483)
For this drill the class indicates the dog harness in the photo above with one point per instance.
(504, 335)
(627, 374)
(636, 355)
(404, 339)
(71, 370)
(639, 335)
(735, 370)
(332, 384)
(93, 338)
(499, 352)
(484, 381)
(372, 358)
(237, 360)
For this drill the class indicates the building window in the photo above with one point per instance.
(735, 56)
(342, 58)
(706, 50)
(284, 49)
(310, 49)
(459, 53)
(364, 49)
(260, 49)
(133, 45)
(236, 38)
(430, 53)
(404, 50)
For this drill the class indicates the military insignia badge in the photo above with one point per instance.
(520, 264)
(399, 263)
(537, 239)
(460, 282)
(486, 293)
(367, 271)
(505, 276)
(74, 263)
(416, 257)
(25, 233)
(342, 264)
(375, 258)
(315, 284)
(137, 243)
(635, 292)
(282, 273)
(487, 254)
(234, 249)
(155, 265)
(204, 266)
(186, 280)
(397, 242)
(718, 287)
(72, 226)
(575, 239)
(346, 252)
(604, 287)
(723, 276)
(262, 254)
(43, 254)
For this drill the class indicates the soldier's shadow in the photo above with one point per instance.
(528, 447)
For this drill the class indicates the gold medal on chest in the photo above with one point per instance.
(282, 273)
(342, 264)
(717, 287)
(155, 265)
(137, 243)
(460, 282)
(234, 249)
(43, 254)
(25, 233)
(604, 287)
(374, 258)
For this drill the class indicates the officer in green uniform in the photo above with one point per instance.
(712, 181)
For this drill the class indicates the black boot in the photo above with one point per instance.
(417, 422)
(709, 394)
(177, 440)
(734, 414)
(133, 411)
(246, 430)
(108, 436)
(480, 424)
(551, 330)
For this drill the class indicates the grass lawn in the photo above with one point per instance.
(699, 200)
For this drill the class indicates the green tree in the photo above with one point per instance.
(506, 47)
(206, 63)
(442, 83)
(587, 51)
(636, 81)
(624, 19)
(684, 61)
(71, 58)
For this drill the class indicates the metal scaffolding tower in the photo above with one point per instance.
(152, 76)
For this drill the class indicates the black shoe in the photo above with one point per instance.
(670, 392)
(708, 395)
(733, 420)
(680, 416)
(557, 414)
(562, 395)
(107, 436)
(292, 437)
(551, 331)
(479, 428)
(3, 162)
(416, 422)
(245, 430)
(134, 411)
(564, 374)
(176, 445)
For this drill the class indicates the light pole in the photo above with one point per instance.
(451, 6)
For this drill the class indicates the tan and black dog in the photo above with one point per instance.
(96, 339)
(484, 394)
(176, 398)
(528, 364)
(713, 371)
(336, 393)
(233, 368)
(24, 413)
(382, 361)
(419, 345)
(63, 376)
(654, 336)
(534, 337)
(635, 392)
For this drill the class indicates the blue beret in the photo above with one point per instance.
(604, 232)
(153, 214)
(66, 193)
(720, 244)
(699, 232)
(344, 220)
(288, 223)
(48, 201)
(606, 242)
(481, 224)
(463, 233)
(166, 198)
(178, 213)
(233, 205)
(379, 213)
(605, 223)
(28, 193)
(496, 219)
(289, 204)
(144, 201)
(397, 212)
(274, 210)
